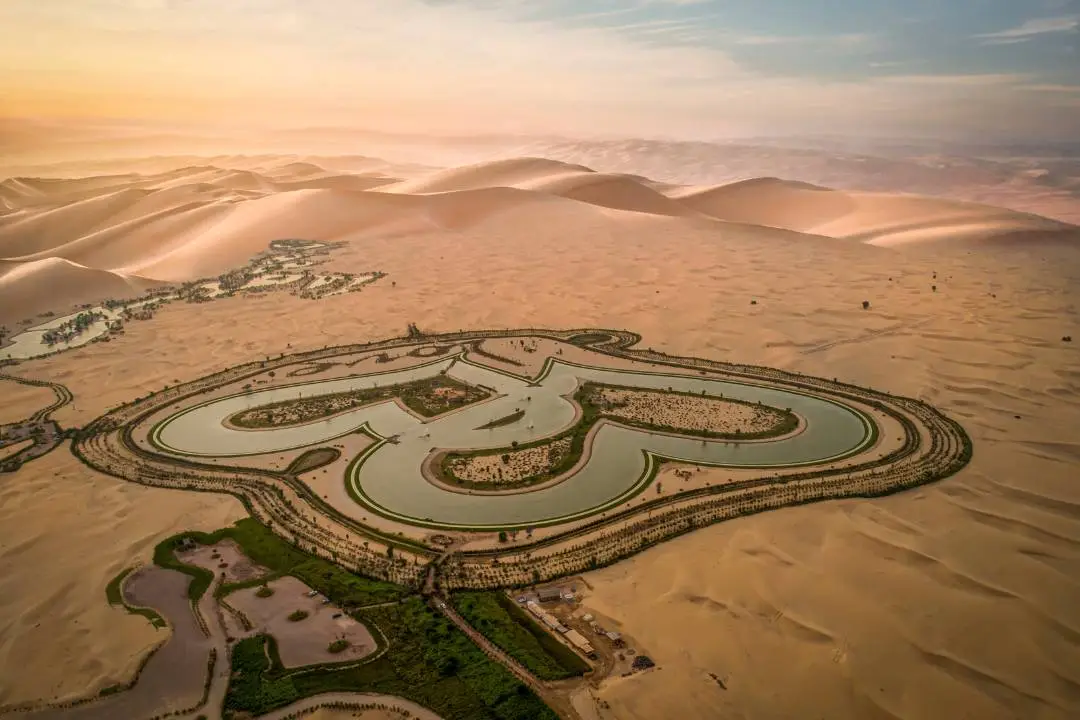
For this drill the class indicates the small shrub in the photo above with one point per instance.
(264, 592)
(338, 646)
(297, 615)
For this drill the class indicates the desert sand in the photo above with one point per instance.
(66, 532)
(959, 599)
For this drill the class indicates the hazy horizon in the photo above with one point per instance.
(673, 69)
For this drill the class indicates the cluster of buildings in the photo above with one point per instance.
(572, 636)
(575, 638)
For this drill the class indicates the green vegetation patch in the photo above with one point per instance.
(265, 548)
(298, 615)
(427, 397)
(113, 592)
(115, 595)
(338, 646)
(313, 460)
(264, 592)
(252, 687)
(503, 622)
(429, 661)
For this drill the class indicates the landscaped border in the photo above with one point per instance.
(941, 450)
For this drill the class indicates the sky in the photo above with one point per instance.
(695, 69)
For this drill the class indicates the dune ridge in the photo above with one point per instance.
(203, 219)
(956, 600)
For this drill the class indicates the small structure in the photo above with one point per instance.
(615, 638)
(578, 640)
(545, 617)
(549, 594)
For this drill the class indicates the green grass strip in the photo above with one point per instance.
(114, 593)
(503, 622)
(265, 548)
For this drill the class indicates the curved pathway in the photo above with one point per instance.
(350, 701)
(45, 432)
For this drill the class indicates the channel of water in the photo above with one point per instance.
(388, 476)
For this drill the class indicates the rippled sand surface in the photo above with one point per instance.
(961, 599)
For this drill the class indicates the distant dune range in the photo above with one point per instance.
(65, 241)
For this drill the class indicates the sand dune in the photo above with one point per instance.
(575, 182)
(956, 600)
(876, 218)
(33, 287)
(203, 219)
(499, 173)
(618, 192)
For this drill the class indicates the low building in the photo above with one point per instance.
(578, 640)
(550, 594)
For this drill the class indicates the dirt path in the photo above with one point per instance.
(352, 701)
(45, 433)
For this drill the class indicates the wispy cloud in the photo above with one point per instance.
(1052, 88)
(840, 40)
(972, 80)
(477, 65)
(1031, 29)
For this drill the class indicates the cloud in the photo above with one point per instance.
(1052, 88)
(840, 40)
(1030, 29)
(469, 66)
(976, 79)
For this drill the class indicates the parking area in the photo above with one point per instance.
(308, 640)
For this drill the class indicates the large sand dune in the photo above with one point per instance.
(876, 218)
(29, 288)
(119, 231)
(956, 600)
